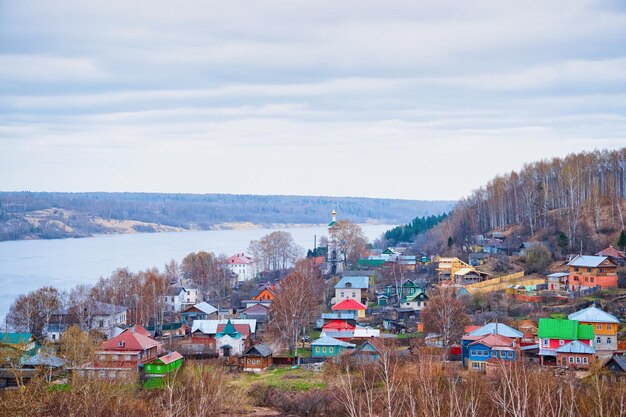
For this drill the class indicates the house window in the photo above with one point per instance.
(330, 349)
(510, 354)
(546, 342)
(577, 359)
(598, 326)
(598, 340)
(585, 360)
(473, 352)
(608, 340)
(571, 359)
(317, 349)
(353, 295)
(591, 279)
(561, 342)
(323, 349)
(342, 294)
(576, 268)
(475, 365)
(588, 269)
(609, 327)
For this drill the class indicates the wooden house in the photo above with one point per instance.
(200, 311)
(491, 346)
(257, 358)
(369, 351)
(350, 305)
(615, 368)
(265, 293)
(326, 347)
(160, 368)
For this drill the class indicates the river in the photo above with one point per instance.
(63, 263)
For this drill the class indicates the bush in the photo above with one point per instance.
(538, 259)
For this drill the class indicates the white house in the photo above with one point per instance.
(352, 287)
(173, 299)
(242, 266)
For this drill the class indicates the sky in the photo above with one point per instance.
(400, 99)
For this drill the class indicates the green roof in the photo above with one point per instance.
(564, 329)
(331, 224)
(229, 330)
(15, 338)
(371, 262)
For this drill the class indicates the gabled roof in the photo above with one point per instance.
(330, 341)
(15, 338)
(338, 325)
(129, 340)
(376, 343)
(99, 308)
(257, 309)
(142, 330)
(210, 326)
(261, 349)
(174, 291)
(497, 328)
(242, 329)
(227, 329)
(564, 329)
(240, 259)
(349, 304)
(203, 307)
(593, 314)
(43, 359)
(612, 253)
(361, 282)
(494, 340)
(170, 357)
(576, 346)
(619, 361)
(587, 261)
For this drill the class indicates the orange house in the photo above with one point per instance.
(266, 293)
(589, 271)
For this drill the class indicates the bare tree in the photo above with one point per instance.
(445, 315)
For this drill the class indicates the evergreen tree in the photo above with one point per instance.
(450, 241)
(562, 241)
(621, 242)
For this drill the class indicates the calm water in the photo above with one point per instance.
(30, 264)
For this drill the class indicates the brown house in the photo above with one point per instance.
(257, 358)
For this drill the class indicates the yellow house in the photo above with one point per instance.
(604, 328)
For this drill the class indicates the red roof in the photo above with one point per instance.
(338, 325)
(142, 330)
(611, 252)
(130, 341)
(493, 340)
(240, 258)
(244, 329)
(170, 357)
(349, 304)
(469, 329)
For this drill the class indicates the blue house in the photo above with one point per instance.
(328, 347)
(489, 328)
(368, 351)
(490, 347)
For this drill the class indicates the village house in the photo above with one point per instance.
(200, 311)
(257, 358)
(368, 351)
(160, 368)
(590, 271)
(265, 292)
(352, 288)
(556, 333)
(604, 328)
(490, 347)
(121, 357)
(242, 266)
(575, 354)
(475, 333)
(350, 306)
(617, 256)
(25, 343)
(416, 301)
(616, 368)
(104, 318)
(327, 347)
(258, 312)
(205, 332)
(558, 281)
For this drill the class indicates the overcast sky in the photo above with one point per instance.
(404, 99)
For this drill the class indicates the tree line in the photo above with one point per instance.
(557, 194)
(407, 232)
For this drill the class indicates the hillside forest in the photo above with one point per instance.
(574, 204)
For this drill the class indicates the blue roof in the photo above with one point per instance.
(576, 346)
(43, 359)
(588, 261)
(502, 330)
(361, 282)
(330, 341)
(593, 314)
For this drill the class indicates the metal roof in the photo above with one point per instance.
(361, 282)
(576, 346)
(558, 275)
(564, 329)
(497, 328)
(588, 261)
(343, 334)
(593, 314)
(330, 341)
(205, 307)
(43, 359)
(210, 326)
(261, 349)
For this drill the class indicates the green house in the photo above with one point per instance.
(327, 346)
(161, 368)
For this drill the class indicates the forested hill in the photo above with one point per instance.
(578, 200)
(32, 215)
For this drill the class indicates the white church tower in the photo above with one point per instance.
(335, 258)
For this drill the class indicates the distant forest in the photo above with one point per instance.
(59, 215)
(407, 232)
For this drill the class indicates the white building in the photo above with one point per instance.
(335, 258)
(242, 266)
